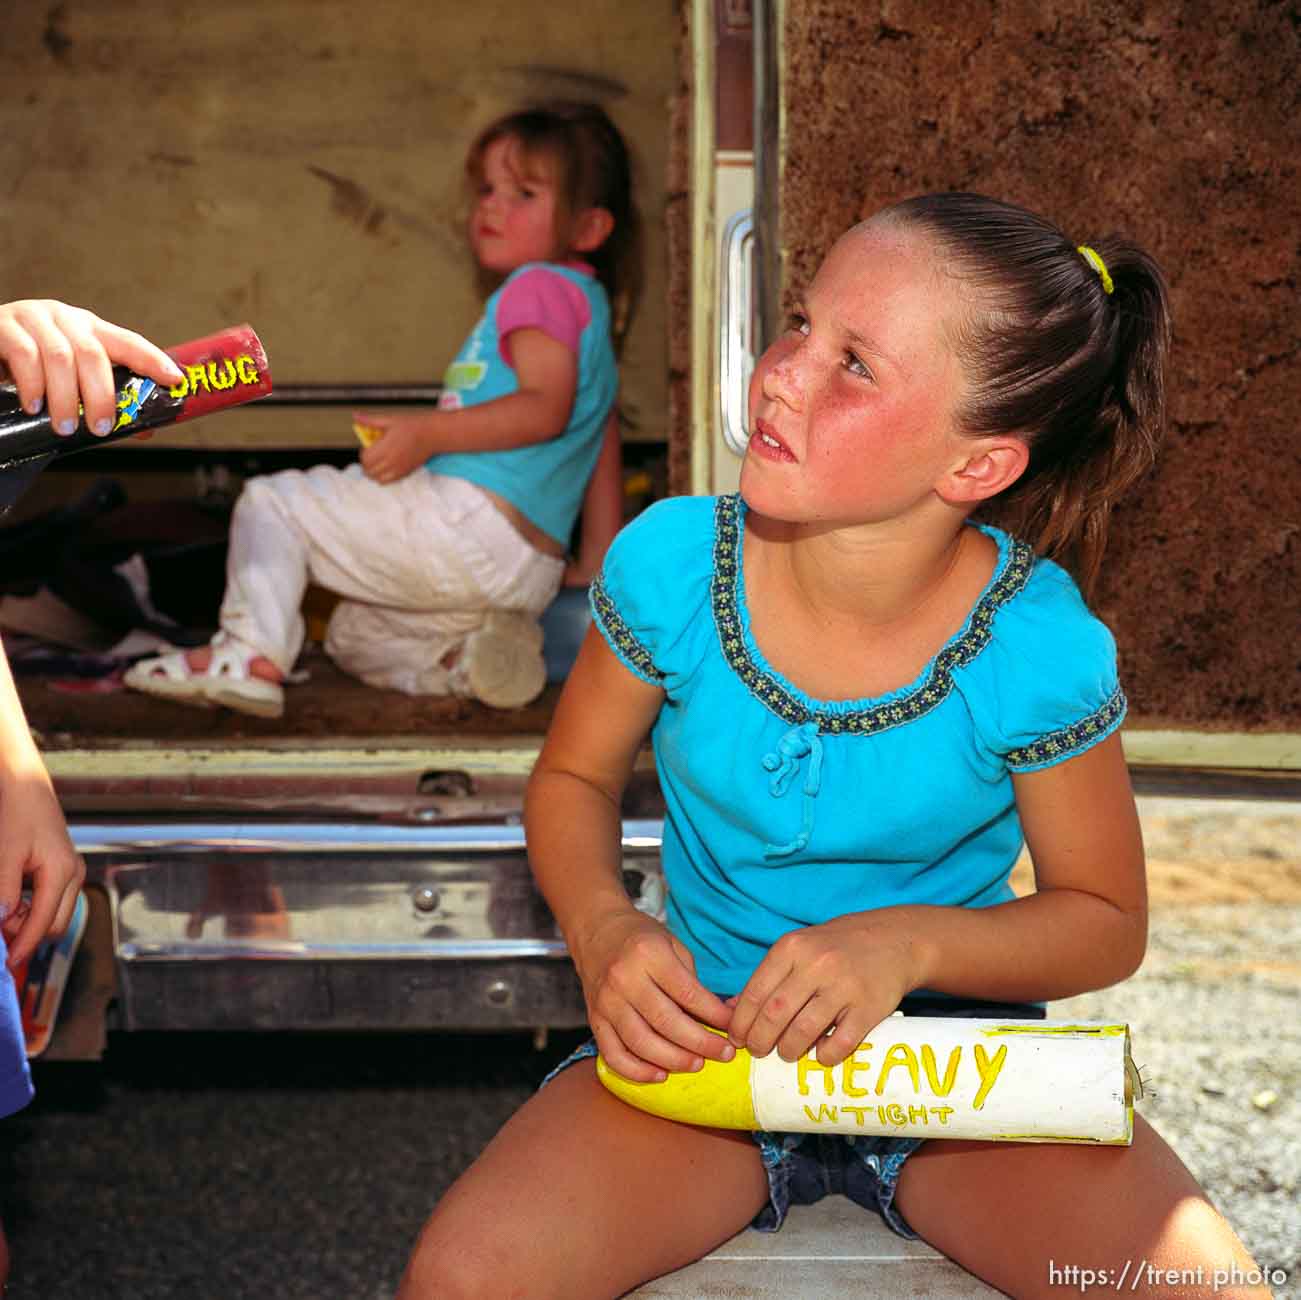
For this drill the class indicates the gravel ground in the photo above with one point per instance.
(1213, 1013)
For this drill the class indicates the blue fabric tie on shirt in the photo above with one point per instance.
(799, 742)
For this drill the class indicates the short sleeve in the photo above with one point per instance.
(651, 599)
(1051, 688)
(539, 298)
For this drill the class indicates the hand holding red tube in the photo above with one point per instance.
(81, 365)
(58, 352)
(62, 356)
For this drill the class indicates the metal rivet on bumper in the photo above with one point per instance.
(425, 899)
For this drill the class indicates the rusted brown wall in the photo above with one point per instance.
(1175, 123)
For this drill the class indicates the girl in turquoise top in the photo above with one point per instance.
(861, 703)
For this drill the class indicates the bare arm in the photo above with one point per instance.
(539, 409)
(1084, 928)
(602, 508)
(34, 843)
(62, 355)
(643, 998)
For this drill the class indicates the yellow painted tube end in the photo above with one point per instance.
(715, 1096)
(1133, 1092)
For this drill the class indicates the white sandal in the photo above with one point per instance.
(169, 677)
(226, 681)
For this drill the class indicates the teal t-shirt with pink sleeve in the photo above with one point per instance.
(544, 480)
(783, 810)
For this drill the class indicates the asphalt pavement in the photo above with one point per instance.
(218, 1167)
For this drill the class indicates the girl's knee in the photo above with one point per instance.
(449, 1264)
(1125, 1210)
(441, 1274)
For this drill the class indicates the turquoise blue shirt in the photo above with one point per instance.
(545, 480)
(785, 811)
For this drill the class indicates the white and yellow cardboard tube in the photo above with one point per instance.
(919, 1076)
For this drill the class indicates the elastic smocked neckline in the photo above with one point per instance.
(867, 715)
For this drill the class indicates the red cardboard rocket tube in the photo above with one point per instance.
(224, 369)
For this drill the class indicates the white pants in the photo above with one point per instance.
(418, 563)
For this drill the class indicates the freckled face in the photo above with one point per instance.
(514, 216)
(852, 408)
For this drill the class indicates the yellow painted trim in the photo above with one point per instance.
(1034, 1029)
(158, 762)
(1275, 750)
(1126, 1140)
(704, 252)
(511, 758)
(1060, 1137)
(1279, 751)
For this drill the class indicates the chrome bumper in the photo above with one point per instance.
(320, 925)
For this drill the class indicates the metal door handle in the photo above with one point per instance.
(735, 330)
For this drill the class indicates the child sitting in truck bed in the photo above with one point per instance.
(449, 539)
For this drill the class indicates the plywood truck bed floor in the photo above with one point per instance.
(329, 706)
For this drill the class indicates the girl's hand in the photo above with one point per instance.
(57, 354)
(644, 1003)
(850, 973)
(34, 848)
(403, 445)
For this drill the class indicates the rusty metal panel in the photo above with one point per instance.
(1170, 122)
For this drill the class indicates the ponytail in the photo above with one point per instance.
(1065, 348)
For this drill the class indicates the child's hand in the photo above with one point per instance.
(644, 1003)
(850, 972)
(366, 433)
(399, 444)
(59, 354)
(34, 848)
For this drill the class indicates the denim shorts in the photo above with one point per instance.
(802, 1168)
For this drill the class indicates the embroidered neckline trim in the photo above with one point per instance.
(860, 718)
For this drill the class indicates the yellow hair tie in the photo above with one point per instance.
(1098, 265)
